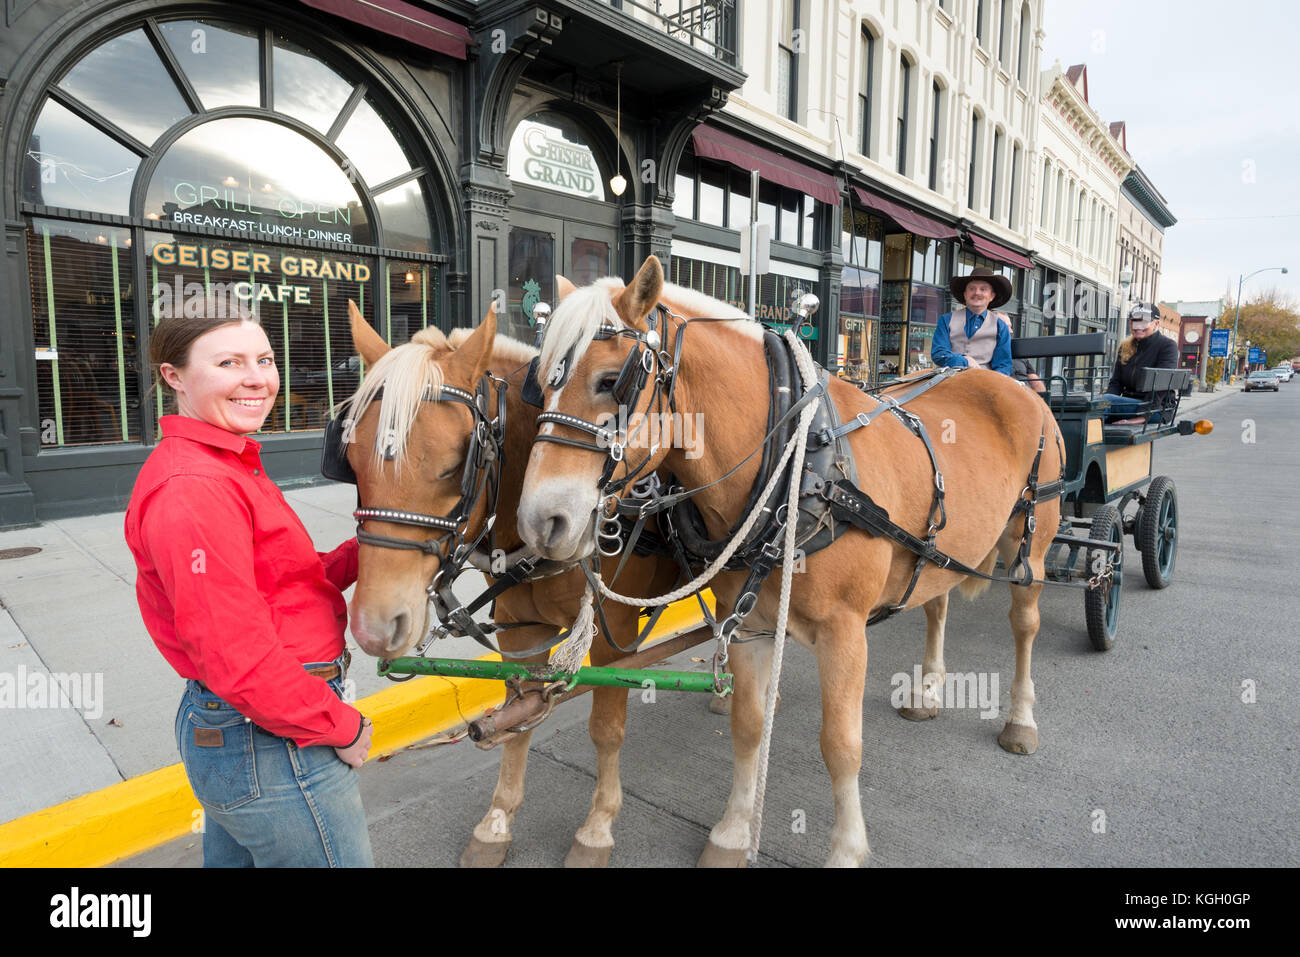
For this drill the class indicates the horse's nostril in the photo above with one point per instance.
(555, 530)
(400, 624)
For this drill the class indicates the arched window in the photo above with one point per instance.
(995, 194)
(1004, 24)
(1026, 35)
(1013, 212)
(904, 110)
(972, 185)
(163, 168)
(1044, 200)
(866, 78)
(1060, 200)
(979, 22)
(936, 126)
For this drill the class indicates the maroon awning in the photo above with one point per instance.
(772, 166)
(404, 20)
(909, 220)
(1003, 255)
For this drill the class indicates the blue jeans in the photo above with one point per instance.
(266, 801)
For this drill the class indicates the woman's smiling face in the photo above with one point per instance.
(230, 379)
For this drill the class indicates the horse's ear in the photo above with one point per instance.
(368, 343)
(562, 287)
(635, 302)
(475, 353)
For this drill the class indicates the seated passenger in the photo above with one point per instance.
(1145, 348)
(976, 340)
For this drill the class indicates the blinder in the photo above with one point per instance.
(334, 462)
(531, 392)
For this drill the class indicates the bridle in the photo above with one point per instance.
(484, 461)
(645, 359)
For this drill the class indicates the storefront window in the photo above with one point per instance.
(372, 146)
(867, 239)
(790, 216)
(684, 188)
(860, 292)
(713, 180)
(712, 279)
(220, 60)
(305, 88)
(930, 260)
(412, 298)
(738, 199)
(243, 174)
(405, 216)
(71, 164)
(550, 151)
(256, 176)
(808, 229)
(300, 297)
(532, 280)
(590, 261)
(124, 81)
(83, 306)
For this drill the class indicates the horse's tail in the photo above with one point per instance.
(972, 588)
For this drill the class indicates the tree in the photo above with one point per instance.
(1271, 321)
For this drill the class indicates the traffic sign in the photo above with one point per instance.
(1256, 355)
(1219, 343)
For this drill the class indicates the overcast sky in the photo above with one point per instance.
(1210, 93)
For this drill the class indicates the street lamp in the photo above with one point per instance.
(1237, 314)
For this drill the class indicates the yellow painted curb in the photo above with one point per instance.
(143, 812)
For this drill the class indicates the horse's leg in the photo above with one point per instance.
(491, 839)
(925, 699)
(842, 668)
(1020, 736)
(595, 839)
(751, 663)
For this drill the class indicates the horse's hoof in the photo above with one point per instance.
(918, 714)
(714, 856)
(720, 704)
(580, 855)
(1019, 738)
(482, 854)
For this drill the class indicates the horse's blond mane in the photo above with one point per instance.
(582, 313)
(504, 348)
(406, 374)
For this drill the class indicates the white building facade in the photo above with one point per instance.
(921, 116)
(1076, 200)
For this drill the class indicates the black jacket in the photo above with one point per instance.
(1156, 351)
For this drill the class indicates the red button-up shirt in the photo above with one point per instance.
(230, 586)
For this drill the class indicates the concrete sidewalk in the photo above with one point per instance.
(70, 609)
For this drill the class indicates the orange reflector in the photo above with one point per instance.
(1204, 426)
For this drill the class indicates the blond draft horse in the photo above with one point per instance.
(389, 610)
(995, 425)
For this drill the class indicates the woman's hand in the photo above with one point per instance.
(355, 753)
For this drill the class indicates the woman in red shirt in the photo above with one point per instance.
(241, 604)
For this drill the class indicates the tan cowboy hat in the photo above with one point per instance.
(1000, 283)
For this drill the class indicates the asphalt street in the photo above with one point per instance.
(1175, 749)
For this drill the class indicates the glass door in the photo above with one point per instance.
(542, 247)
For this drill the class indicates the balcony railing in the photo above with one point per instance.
(708, 25)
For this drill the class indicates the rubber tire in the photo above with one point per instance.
(1107, 525)
(1161, 487)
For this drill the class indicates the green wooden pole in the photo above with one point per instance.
(329, 365)
(602, 677)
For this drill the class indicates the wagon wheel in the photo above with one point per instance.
(1101, 605)
(1158, 528)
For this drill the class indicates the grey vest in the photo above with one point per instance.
(978, 350)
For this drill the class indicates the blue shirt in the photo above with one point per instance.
(941, 345)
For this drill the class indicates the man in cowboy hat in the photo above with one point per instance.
(978, 340)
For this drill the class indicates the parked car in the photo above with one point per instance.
(1262, 379)
(1284, 373)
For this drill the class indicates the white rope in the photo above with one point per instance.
(568, 655)
(809, 372)
(690, 588)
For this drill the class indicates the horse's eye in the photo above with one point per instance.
(606, 383)
(454, 470)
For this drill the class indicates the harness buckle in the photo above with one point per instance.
(1031, 524)
(616, 451)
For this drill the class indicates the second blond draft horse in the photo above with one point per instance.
(722, 384)
(428, 442)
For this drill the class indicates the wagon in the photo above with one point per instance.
(1109, 487)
